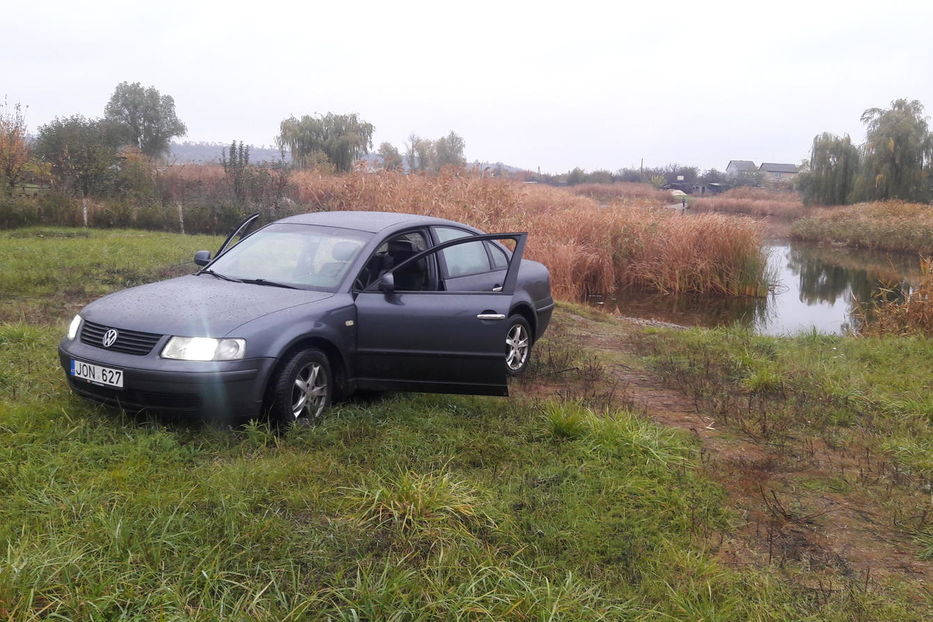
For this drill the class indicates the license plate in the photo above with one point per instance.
(95, 374)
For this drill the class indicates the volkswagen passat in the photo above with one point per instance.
(310, 308)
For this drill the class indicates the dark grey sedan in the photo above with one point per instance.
(309, 309)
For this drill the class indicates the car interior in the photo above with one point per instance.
(476, 266)
(415, 277)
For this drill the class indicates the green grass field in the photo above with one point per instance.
(399, 508)
(866, 390)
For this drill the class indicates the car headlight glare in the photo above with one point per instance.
(204, 349)
(73, 327)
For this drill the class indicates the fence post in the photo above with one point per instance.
(181, 217)
(84, 211)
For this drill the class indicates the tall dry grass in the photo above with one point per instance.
(911, 316)
(588, 248)
(755, 202)
(889, 225)
(623, 193)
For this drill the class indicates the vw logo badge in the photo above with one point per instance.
(109, 337)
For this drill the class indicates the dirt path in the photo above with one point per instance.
(789, 518)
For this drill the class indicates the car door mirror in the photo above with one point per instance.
(387, 283)
(202, 258)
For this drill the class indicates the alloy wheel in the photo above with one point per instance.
(309, 396)
(516, 347)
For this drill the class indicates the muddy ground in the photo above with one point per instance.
(788, 513)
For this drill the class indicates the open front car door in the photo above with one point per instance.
(433, 339)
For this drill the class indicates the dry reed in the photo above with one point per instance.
(755, 202)
(588, 248)
(911, 316)
(624, 193)
(889, 225)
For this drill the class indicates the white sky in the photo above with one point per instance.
(555, 85)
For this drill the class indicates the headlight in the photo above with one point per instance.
(204, 349)
(73, 327)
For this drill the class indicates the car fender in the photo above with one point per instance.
(333, 320)
(534, 293)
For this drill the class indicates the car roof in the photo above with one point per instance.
(367, 221)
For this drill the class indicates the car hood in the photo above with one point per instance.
(194, 306)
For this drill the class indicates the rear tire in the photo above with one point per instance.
(302, 389)
(517, 346)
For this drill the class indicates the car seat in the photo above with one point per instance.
(342, 253)
(415, 275)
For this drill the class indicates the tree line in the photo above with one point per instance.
(105, 156)
(84, 156)
(658, 176)
(894, 162)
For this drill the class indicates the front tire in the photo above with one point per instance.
(302, 389)
(517, 345)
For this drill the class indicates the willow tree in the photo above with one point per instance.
(834, 164)
(898, 152)
(340, 138)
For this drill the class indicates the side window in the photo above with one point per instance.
(463, 259)
(392, 252)
(499, 259)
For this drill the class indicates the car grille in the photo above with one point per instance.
(142, 399)
(128, 341)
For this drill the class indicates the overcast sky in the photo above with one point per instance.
(555, 85)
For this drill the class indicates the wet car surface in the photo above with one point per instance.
(310, 308)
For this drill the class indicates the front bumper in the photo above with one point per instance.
(220, 390)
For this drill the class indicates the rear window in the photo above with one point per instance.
(499, 259)
(463, 259)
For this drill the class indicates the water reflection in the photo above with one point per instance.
(815, 290)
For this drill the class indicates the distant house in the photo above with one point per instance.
(704, 189)
(777, 172)
(738, 167)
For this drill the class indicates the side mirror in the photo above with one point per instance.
(387, 283)
(202, 258)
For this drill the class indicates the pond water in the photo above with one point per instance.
(815, 288)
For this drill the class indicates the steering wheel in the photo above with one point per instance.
(362, 279)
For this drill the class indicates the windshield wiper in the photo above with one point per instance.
(269, 283)
(220, 276)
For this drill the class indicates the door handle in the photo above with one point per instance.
(497, 288)
(490, 316)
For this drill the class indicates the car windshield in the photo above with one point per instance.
(303, 256)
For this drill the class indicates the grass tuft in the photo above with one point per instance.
(411, 503)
